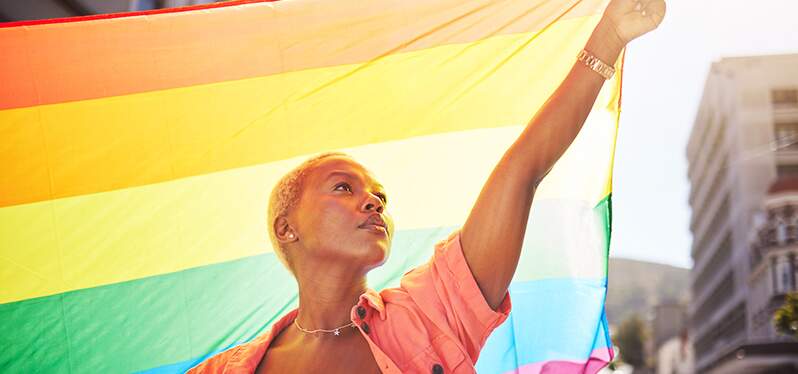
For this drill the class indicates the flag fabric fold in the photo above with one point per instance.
(138, 152)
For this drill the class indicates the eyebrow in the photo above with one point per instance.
(350, 175)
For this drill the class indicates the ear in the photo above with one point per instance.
(283, 231)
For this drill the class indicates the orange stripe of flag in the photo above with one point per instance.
(53, 63)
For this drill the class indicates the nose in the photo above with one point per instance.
(373, 203)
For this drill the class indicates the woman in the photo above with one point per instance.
(330, 226)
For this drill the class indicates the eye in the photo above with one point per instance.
(346, 185)
(382, 197)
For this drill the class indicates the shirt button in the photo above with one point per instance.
(365, 327)
(437, 369)
(361, 312)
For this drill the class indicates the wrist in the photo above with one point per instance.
(605, 43)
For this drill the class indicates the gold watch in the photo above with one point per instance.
(595, 64)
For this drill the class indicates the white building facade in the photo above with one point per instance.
(743, 144)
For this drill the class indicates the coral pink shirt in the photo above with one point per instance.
(436, 321)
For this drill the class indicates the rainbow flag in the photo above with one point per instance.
(137, 153)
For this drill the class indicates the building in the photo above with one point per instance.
(675, 356)
(743, 147)
(774, 256)
(671, 345)
(668, 320)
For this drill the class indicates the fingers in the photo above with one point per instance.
(640, 7)
(657, 8)
(650, 7)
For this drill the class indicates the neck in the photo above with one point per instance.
(326, 298)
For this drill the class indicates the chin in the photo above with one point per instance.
(381, 256)
(378, 255)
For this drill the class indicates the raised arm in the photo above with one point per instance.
(493, 233)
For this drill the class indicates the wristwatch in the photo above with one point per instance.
(595, 64)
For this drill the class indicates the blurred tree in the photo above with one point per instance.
(629, 339)
(785, 320)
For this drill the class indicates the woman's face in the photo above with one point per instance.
(342, 214)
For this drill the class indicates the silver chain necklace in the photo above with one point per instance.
(336, 331)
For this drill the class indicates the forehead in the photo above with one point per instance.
(339, 165)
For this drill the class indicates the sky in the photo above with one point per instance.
(663, 82)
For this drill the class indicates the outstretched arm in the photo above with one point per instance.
(494, 231)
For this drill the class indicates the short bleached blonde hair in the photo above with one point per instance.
(286, 195)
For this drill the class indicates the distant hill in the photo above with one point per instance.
(635, 285)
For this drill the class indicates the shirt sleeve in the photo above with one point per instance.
(446, 292)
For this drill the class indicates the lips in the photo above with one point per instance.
(375, 223)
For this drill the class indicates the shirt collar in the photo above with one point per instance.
(374, 300)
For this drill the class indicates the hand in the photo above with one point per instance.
(632, 18)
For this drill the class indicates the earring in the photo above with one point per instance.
(290, 236)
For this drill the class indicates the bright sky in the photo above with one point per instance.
(663, 83)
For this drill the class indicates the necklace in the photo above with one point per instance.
(336, 331)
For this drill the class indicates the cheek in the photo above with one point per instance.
(329, 217)
(390, 222)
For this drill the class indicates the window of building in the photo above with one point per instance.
(788, 212)
(784, 98)
(770, 236)
(787, 135)
(787, 170)
(795, 272)
(783, 276)
(774, 278)
(781, 232)
(788, 215)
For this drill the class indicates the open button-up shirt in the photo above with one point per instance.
(436, 321)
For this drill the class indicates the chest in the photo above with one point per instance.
(351, 357)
